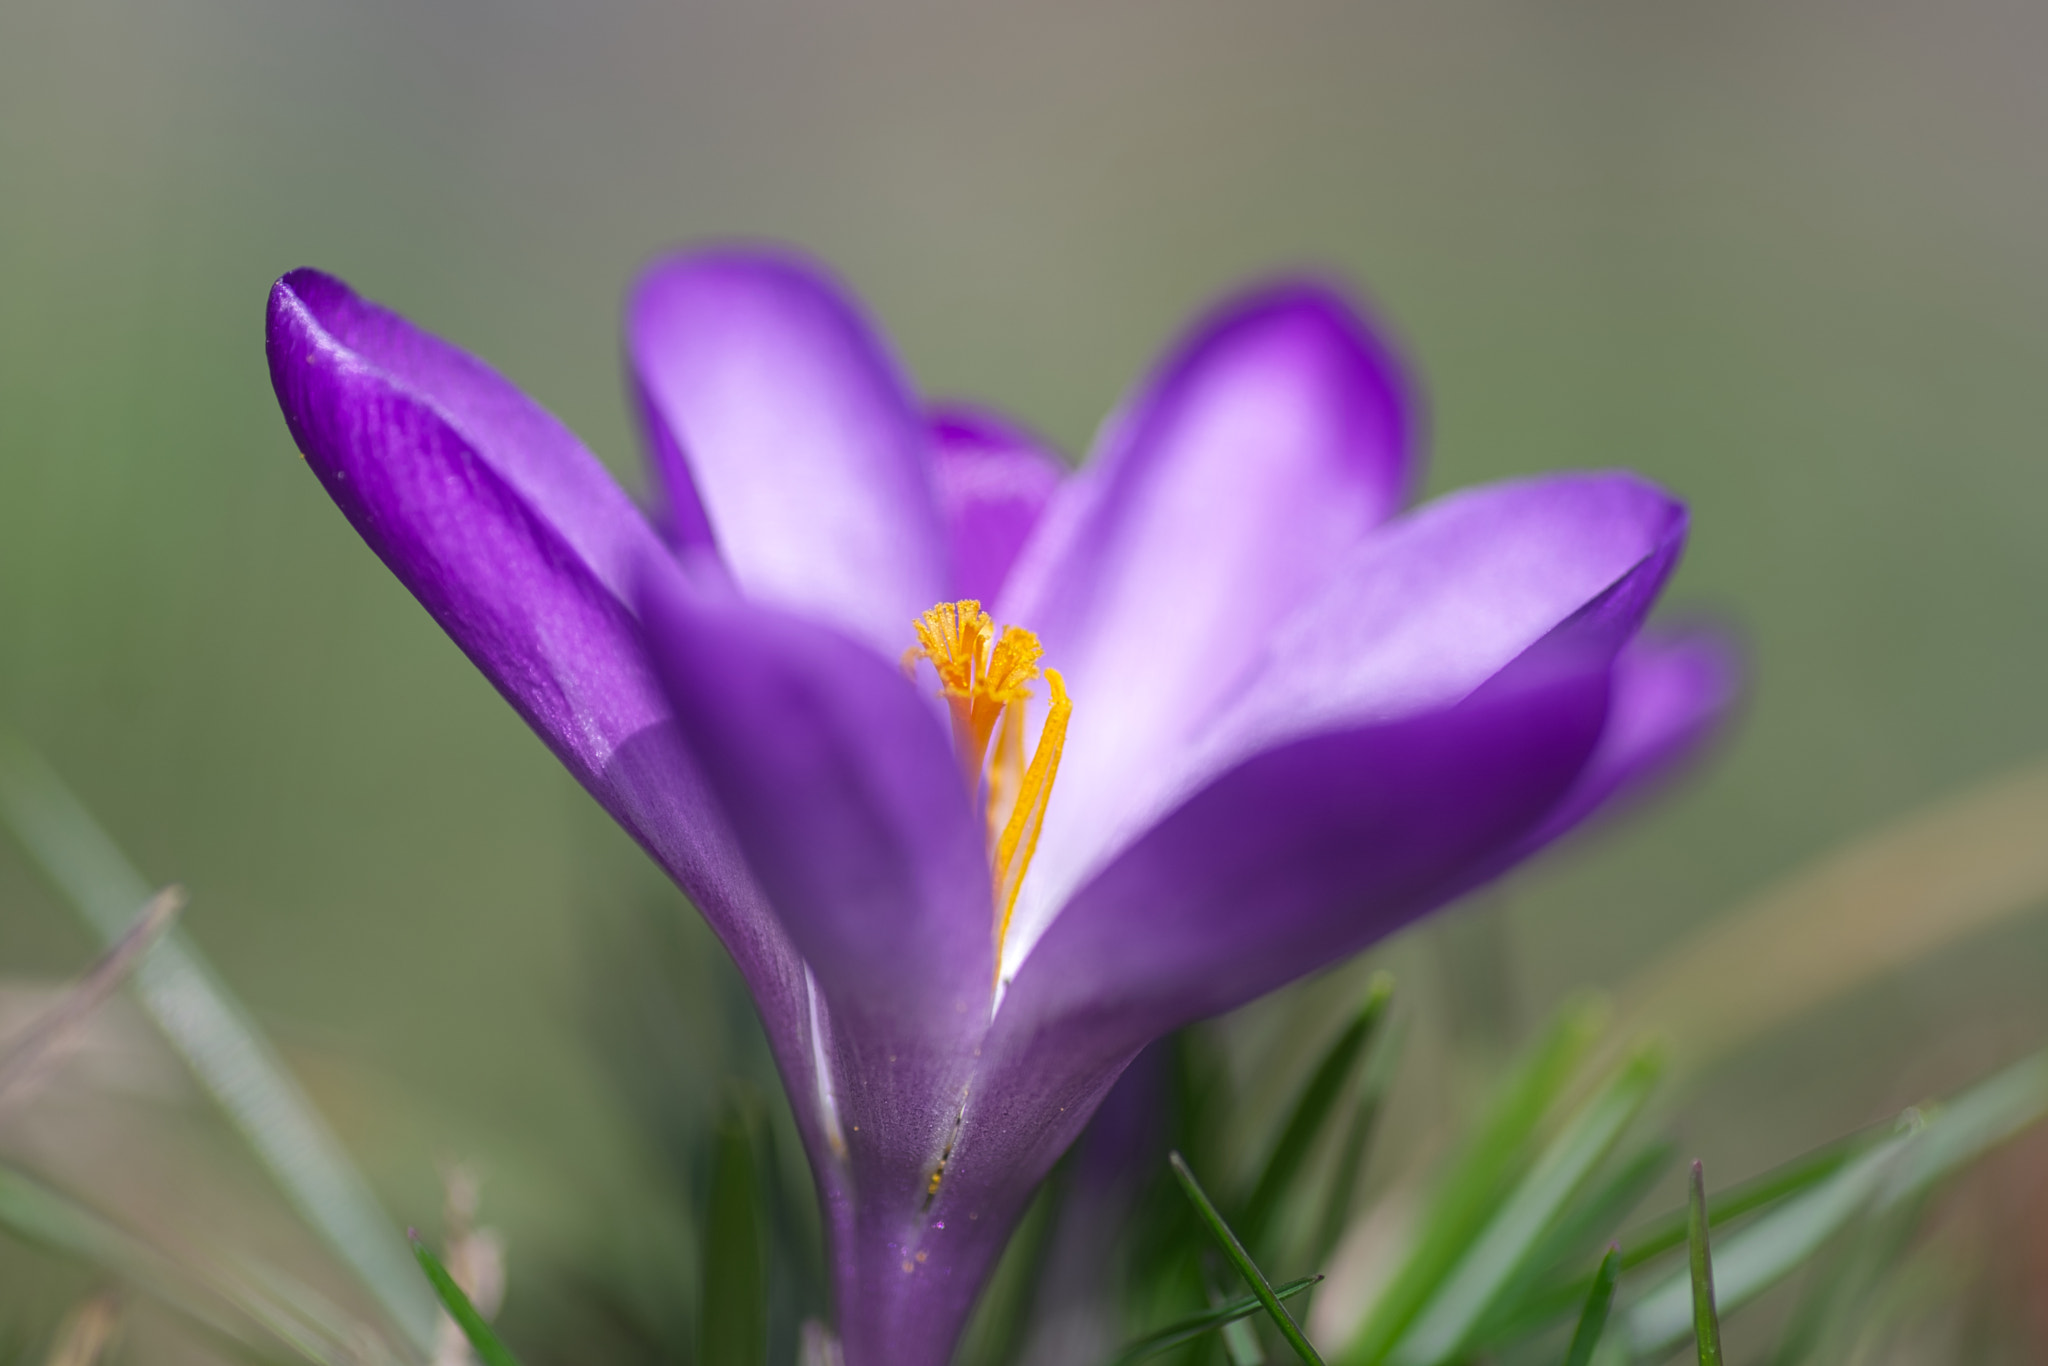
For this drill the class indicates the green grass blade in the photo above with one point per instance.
(488, 1349)
(1593, 1318)
(1850, 1294)
(1547, 1292)
(1706, 1320)
(217, 1039)
(1493, 1261)
(1593, 1220)
(733, 1312)
(1240, 1337)
(1312, 1111)
(1840, 1305)
(1208, 1321)
(1239, 1258)
(1471, 1187)
(1973, 1123)
(1758, 1256)
(1668, 1232)
(1357, 1144)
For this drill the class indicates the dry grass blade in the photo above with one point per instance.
(189, 1281)
(218, 1039)
(30, 1054)
(1866, 909)
(88, 1332)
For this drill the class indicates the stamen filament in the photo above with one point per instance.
(1005, 771)
(1019, 840)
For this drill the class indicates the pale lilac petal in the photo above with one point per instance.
(994, 480)
(517, 542)
(841, 786)
(784, 431)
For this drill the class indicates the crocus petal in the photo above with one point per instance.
(1416, 617)
(993, 483)
(785, 432)
(1438, 603)
(842, 788)
(364, 390)
(518, 543)
(1671, 694)
(1226, 490)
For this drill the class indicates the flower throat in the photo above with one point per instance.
(986, 681)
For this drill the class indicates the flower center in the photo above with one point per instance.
(986, 681)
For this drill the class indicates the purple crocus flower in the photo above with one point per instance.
(1253, 717)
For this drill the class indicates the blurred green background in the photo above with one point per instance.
(1790, 259)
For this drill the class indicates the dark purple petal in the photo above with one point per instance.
(993, 481)
(362, 387)
(518, 543)
(784, 430)
(1672, 693)
(842, 788)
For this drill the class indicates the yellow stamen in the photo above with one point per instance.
(1004, 685)
(1019, 839)
(1012, 664)
(955, 637)
(986, 681)
(980, 673)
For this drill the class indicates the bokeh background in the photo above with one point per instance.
(1789, 258)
